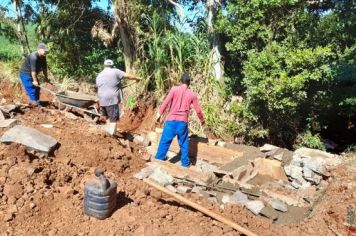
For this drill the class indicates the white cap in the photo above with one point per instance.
(108, 62)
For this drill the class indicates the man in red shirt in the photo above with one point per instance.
(180, 99)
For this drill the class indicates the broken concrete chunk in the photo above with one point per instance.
(213, 200)
(29, 137)
(268, 148)
(225, 199)
(162, 177)
(308, 152)
(271, 168)
(152, 137)
(205, 167)
(8, 108)
(311, 176)
(47, 126)
(255, 206)
(197, 189)
(239, 197)
(184, 189)
(171, 188)
(145, 172)
(279, 206)
(141, 140)
(221, 144)
(2, 116)
(269, 212)
(244, 173)
(110, 128)
(9, 123)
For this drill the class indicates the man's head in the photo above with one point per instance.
(108, 63)
(42, 49)
(185, 79)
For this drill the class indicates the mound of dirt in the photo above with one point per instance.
(42, 195)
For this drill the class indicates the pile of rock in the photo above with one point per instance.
(304, 167)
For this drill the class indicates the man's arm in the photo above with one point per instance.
(131, 77)
(34, 78)
(198, 110)
(33, 60)
(165, 103)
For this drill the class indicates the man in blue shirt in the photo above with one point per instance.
(31, 67)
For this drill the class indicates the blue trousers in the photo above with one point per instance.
(32, 91)
(170, 130)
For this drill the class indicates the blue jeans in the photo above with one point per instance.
(170, 130)
(32, 91)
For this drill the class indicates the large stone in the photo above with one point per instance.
(279, 206)
(311, 176)
(255, 206)
(141, 140)
(162, 177)
(269, 212)
(9, 123)
(2, 116)
(30, 138)
(308, 152)
(295, 172)
(145, 172)
(205, 167)
(225, 199)
(239, 197)
(268, 148)
(109, 128)
(271, 168)
(152, 137)
(8, 108)
(183, 189)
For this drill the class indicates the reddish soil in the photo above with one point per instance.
(44, 196)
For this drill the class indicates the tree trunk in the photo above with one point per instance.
(129, 50)
(21, 31)
(127, 33)
(215, 45)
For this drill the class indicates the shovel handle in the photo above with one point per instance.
(47, 90)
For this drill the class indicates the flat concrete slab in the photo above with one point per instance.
(2, 116)
(9, 123)
(30, 138)
(8, 108)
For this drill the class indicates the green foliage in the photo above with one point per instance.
(9, 50)
(166, 54)
(68, 31)
(307, 139)
(131, 102)
(287, 88)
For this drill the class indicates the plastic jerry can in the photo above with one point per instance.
(100, 196)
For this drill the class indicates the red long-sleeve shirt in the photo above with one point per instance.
(180, 99)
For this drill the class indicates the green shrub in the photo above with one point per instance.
(287, 89)
(307, 139)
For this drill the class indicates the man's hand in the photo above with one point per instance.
(35, 83)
